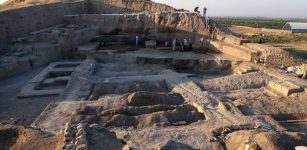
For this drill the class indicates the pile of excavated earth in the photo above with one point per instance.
(99, 75)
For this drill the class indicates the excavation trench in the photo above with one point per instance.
(296, 122)
(143, 110)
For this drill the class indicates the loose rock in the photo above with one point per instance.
(82, 147)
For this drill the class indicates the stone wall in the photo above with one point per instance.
(16, 22)
(121, 6)
(274, 56)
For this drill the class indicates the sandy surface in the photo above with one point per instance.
(26, 109)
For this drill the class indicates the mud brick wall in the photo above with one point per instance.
(143, 22)
(121, 6)
(16, 22)
(13, 68)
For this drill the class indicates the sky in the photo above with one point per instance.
(245, 8)
(2, 1)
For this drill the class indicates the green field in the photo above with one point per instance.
(275, 39)
(271, 23)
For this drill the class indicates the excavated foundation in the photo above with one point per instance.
(79, 80)
(124, 96)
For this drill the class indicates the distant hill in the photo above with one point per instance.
(13, 4)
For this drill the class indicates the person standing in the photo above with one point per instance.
(143, 39)
(202, 40)
(181, 46)
(204, 11)
(196, 10)
(190, 44)
(185, 44)
(137, 40)
(166, 43)
(174, 44)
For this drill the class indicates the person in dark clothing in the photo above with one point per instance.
(181, 48)
(196, 9)
(174, 44)
(31, 63)
(190, 45)
(185, 44)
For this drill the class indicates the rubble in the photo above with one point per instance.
(299, 71)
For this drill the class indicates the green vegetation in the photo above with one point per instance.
(270, 23)
(275, 38)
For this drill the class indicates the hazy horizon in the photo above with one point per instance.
(2, 1)
(245, 8)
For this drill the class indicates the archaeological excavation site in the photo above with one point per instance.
(114, 75)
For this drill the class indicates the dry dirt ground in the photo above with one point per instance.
(21, 111)
(119, 97)
(15, 4)
(16, 138)
(155, 99)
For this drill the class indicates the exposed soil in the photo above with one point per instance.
(17, 137)
(22, 111)
(128, 97)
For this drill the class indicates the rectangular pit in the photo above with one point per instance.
(293, 122)
(127, 87)
(51, 81)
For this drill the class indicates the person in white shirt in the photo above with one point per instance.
(202, 40)
(204, 11)
(137, 40)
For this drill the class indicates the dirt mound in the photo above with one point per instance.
(14, 4)
(15, 138)
(8, 136)
(257, 140)
(149, 98)
(129, 87)
(119, 120)
(173, 117)
(101, 138)
(140, 110)
(275, 57)
(180, 116)
(176, 145)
